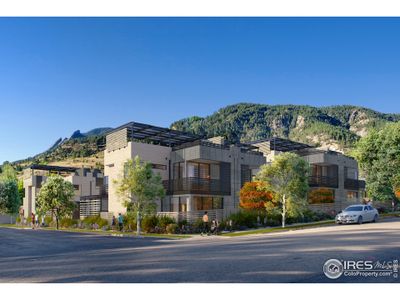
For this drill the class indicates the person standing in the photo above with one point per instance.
(205, 223)
(22, 215)
(230, 223)
(33, 220)
(113, 223)
(120, 221)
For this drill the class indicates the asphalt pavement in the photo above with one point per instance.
(292, 256)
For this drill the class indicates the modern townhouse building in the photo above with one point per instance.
(199, 175)
(89, 185)
(334, 179)
(207, 174)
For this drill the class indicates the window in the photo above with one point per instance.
(158, 166)
(208, 203)
(193, 170)
(198, 170)
(214, 171)
(198, 203)
(350, 173)
(218, 203)
(354, 208)
(182, 204)
(321, 195)
(352, 195)
(178, 170)
(166, 204)
(204, 170)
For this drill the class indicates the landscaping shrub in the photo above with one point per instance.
(183, 223)
(164, 221)
(172, 228)
(243, 219)
(88, 222)
(150, 224)
(197, 226)
(68, 223)
(274, 220)
(48, 220)
(130, 221)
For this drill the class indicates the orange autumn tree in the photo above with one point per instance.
(254, 198)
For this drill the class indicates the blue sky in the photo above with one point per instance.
(58, 75)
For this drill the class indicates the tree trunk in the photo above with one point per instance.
(138, 223)
(283, 211)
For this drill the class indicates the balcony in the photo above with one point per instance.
(354, 184)
(323, 181)
(195, 185)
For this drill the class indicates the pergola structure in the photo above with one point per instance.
(280, 144)
(55, 169)
(157, 135)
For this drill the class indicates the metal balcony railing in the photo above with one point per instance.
(354, 184)
(196, 185)
(323, 181)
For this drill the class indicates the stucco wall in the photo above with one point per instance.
(114, 165)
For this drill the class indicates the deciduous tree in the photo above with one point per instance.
(287, 178)
(56, 196)
(139, 187)
(378, 155)
(9, 197)
(253, 197)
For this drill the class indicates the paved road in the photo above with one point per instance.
(296, 256)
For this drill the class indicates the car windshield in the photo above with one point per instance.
(354, 208)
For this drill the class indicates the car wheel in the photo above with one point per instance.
(375, 219)
(360, 220)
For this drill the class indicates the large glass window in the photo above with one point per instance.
(182, 203)
(178, 170)
(198, 170)
(193, 169)
(208, 203)
(218, 203)
(198, 203)
(322, 195)
(204, 170)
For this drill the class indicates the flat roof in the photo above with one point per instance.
(160, 135)
(280, 144)
(53, 168)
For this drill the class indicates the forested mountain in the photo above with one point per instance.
(334, 127)
(73, 151)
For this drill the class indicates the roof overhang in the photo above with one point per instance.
(158, 135)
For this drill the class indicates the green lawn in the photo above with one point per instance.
(277, 229)
(230, 234)
(111, 233)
